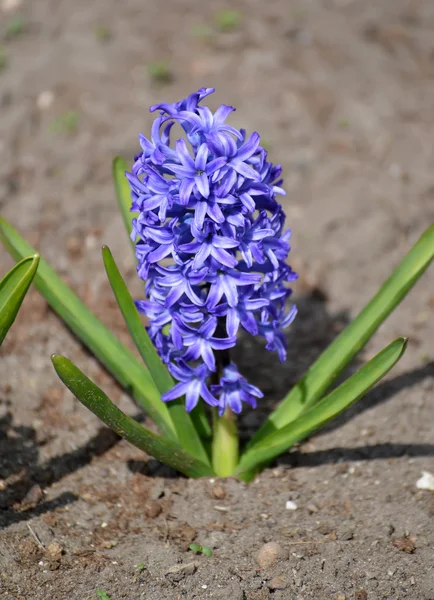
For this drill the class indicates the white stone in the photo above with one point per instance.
(426, 482)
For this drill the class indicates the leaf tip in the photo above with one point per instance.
(55, 359)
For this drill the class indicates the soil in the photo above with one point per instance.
(342, 93)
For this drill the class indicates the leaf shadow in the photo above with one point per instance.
(20, 464)
(312, 331)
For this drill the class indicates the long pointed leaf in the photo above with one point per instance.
(329, 407)
(186, 432)
(165, 450)
(123, 192)
(343, 349)
(13, 288)
(123, 365)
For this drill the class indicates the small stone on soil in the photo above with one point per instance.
(219, 492)
(270, 554)
(361, 595)
(153, 509)
(426, 482)
(277, 583)
(178, 572)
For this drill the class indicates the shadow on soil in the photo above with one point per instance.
(21, 498)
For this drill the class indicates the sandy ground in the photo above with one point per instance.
(342, 93)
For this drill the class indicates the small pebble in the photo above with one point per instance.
(153, 509)
(219, 492)
(290, 505)
(10, 5)
(426, 482)
(277, 583)
(270, 554)
(346, 535)
(45, 99)
(361, 595)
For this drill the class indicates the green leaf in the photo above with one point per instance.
(123, 365)
(13, 288)
(344, 348)
(328, 408)
(186, 432)
(102, 595)
(123, 192)
(161, 448)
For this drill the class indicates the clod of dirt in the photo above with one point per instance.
(153, 509)
(178, 572)
(183, 533)
(404, 544)
(361, 595)
(54, 551)
(346, 535)
(270, 554)
(29, 552)
(218, 491)
(277, 583)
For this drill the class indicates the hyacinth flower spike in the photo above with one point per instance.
(222, 231)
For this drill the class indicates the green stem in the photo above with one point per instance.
(224, 443)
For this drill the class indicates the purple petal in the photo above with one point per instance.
(249, 323)
(222, 113)
(223, 256)
(201, 158)
(230, 290)
(215, 165)
(202, 255)
(192, 396)
(248, 202)
(202, 184)
(208, 328)
(244, 170)
(185, 190)
(207, 396)
(199, 214)
(176, 392)
(223, 344)
(184, 155)
(221, 241)
(174, 295)
(160, 253)
(215, 293)
(208, 356)
(249, 147)
(232, 322)
(214, 212)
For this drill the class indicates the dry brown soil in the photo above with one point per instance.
(342, 92)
